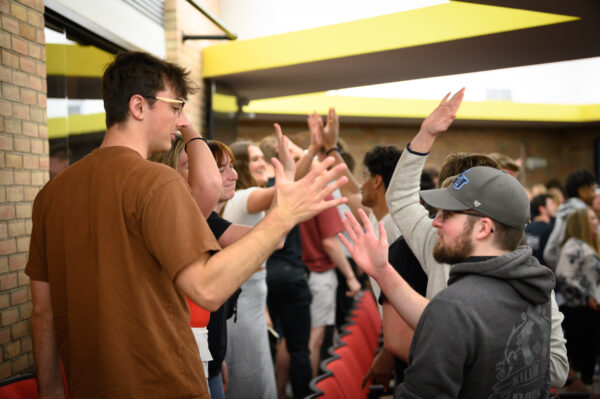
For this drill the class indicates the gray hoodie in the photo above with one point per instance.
(487, 335)
(552, 249)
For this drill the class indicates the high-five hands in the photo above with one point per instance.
(285, 156)
(315, 126)
(369, 252)
(324, 135)
(331, 131)
(298, 201)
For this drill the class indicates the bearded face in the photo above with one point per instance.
(452, 250)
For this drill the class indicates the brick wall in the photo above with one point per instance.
(566, 149)
(24, 169)
(179, 18)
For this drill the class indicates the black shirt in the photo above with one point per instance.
(291, 253)
(406, 264)
(536, 236)
(217, 326)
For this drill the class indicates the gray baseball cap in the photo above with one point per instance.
(486, 190)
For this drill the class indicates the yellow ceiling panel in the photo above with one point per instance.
(445, 22)
(407, 108)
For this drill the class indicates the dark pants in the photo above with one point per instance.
(343, 303)
(582, 329)
(289, 303)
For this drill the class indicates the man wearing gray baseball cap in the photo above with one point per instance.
(488, 333)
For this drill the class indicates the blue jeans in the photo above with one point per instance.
(215, 386)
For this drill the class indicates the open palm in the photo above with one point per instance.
(369, 252)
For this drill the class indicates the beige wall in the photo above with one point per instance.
(565, 149)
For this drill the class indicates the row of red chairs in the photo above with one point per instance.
(23, 387)
(352, 356)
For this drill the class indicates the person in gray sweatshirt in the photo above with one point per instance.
(413, 221)
(488, 334)
(580, 188)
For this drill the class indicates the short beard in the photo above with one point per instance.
(462, 249)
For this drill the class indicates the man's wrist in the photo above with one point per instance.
(312, 150)
(279, 221)
(197, 138)
(329, 146)
(336, 149)
(382, 273)
(421, 143)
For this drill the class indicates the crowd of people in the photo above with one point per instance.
(167, 265)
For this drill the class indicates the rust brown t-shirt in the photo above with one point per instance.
(109, 235)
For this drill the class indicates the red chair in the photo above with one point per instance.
(347, 374)
(366, 303)
(370, 340)
(326, 386)
(371, 333)
(370, 305)
(355, 341)
(24, 387)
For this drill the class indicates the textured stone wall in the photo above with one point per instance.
(23, 169)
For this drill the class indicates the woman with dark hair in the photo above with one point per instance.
(578, 282)
(248, 357)
(196, 172)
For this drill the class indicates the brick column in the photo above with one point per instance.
(181, 17)
(24, 169)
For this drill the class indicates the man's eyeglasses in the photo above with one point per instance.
(178, 108)
(445, 215)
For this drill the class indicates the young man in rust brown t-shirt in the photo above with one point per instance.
(117, 241)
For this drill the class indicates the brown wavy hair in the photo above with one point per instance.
(242, 164)
(219, 150)
(458, 162)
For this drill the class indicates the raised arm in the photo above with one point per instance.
(402, 195)
(45, 349)
(315, 127)
(437, 122)
(330, 133)
(204, 178)
(209, 281)
(261, 199)
(397, 335)
(370, 254)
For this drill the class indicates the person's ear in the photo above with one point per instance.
(377, 181)
(485, 228)
(137, 106)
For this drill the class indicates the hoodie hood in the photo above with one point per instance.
(565, 209)
(523, 272)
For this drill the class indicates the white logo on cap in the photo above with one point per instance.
(476, 204)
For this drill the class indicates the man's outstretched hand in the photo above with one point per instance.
(441, 117)
(437, 122)
(369, 252)
(298, 201)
